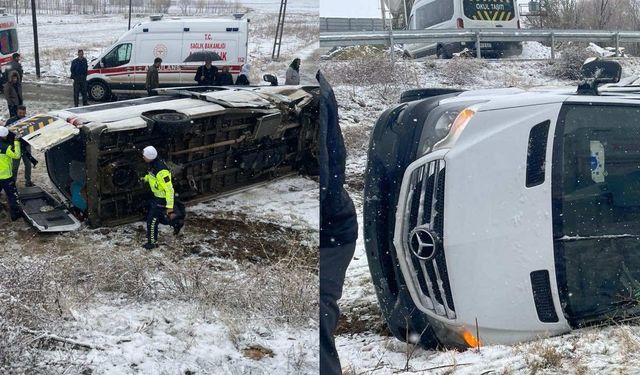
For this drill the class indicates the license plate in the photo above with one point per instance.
(485, 45)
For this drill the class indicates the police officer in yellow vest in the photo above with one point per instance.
(161, 205)
(9, 151)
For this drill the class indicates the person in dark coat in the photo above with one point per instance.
(225, 78)
(153, 78)
(13, 93)
(338, 226)
(14, 65)
(243, 77)
(79, 68)
(207, 74)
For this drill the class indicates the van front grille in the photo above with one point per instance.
(422, 238)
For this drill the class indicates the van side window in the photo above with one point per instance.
(120, 55)
(433, 13)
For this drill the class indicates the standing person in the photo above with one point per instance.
(26, 150)
(338, 226)
(14, 65)
(79, 69)
(9, 151)
(243, 77)
(206, 74)
(13, 93)
(153, 80)
(161, 205)
(293, 73)
(225, 78)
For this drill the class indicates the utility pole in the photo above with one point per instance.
(35, 37)
(129, 15)
(16, 12)
(275, 55)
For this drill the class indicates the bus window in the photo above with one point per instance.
(434, 13)
(489, 10)
(120, 55)
(8, 41)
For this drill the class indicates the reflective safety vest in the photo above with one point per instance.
(8, 153)
(161, 186)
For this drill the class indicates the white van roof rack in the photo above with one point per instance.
(238, 16)
(156, 17)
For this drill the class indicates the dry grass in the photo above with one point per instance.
(39, 289)
(461, 71)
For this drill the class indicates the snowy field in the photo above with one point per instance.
(235, 293)
(364, 89)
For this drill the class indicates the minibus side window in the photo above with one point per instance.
(120, 55)
(434, 13)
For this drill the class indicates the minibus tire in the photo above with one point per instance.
(100, 87)
(174, 123)
(443, 53)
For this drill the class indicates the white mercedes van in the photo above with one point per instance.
(182, 44)
(500, 216)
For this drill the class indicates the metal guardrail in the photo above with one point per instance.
(335, 24)
(480, 35)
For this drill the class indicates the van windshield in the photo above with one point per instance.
(489, 10)
(596, 211)
(8, 41)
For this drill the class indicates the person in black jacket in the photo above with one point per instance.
(207, 74)
(338, 226)
(225, 78)
(243, 77)
(79, 68)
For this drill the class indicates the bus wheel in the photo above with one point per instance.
(99, 91)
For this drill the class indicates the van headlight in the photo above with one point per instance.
(450, 120)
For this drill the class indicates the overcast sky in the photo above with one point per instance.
(350, 8)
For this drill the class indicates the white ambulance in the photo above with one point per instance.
(8, 38)
(182, 44)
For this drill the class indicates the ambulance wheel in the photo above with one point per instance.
(172, 122)
(99, 91)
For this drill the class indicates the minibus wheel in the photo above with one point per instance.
(443, 53)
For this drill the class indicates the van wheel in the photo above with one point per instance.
(99, 91)
(443, 53)
(174, 123)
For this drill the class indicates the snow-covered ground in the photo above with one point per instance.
(363, 90)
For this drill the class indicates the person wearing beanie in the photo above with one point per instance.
(9, 151)
(161, 204)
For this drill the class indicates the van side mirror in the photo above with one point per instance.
(271, 79)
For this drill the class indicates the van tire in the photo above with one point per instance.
(174, 123)
(99, 91)
(442, 52)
